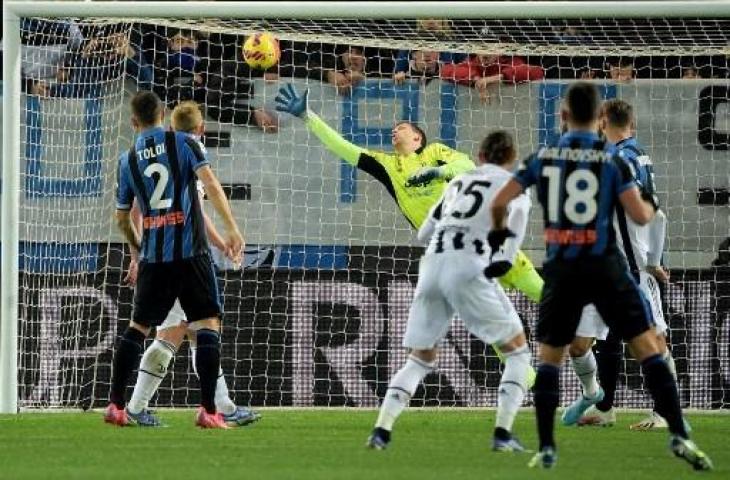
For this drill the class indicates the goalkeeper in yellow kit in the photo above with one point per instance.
(415, 174)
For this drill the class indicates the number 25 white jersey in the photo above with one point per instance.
(462, 219)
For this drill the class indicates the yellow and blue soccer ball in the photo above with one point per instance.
(261, 51)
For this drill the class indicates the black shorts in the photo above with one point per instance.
(192, 280)
(603, 281)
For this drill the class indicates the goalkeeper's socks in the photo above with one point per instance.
(207, 362)
(400, 390)
(547, 394)
(663, 388)
(585, 367)
(608, 359)
(125, 360)
(152, 370)
(223, 402)
(512, 386)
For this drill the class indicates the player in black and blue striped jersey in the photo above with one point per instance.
(160, 172)
(580, 182)
(642, 245)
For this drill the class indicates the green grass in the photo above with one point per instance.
(294, 444)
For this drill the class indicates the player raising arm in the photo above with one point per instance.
(159, 172)
(455, 277)
(186, 118)
(579, 184)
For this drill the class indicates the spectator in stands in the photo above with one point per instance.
(178, 68)
(481, 71)
(103, 57)
(348, 71)
(425, 64)
(47, 48)
(690, 73)
(226, 91)
(621, 69)
(89, 71)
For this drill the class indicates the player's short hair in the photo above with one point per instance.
(582, 101)
(146, 107)
(419, 131)
(619, 113)
(186, 117)
(498, 147)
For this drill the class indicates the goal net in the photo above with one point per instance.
(317, 315)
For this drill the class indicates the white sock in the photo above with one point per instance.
(586, 369)
(512, 386)
(670, 363)
(223, 402)
(152, 369)
(400, 390)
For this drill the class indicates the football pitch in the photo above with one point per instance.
(329, 444)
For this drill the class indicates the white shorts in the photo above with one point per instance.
(451, 283)
(174, 318)
(592, 325)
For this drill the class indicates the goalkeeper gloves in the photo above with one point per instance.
(291, 102)
(424, 176)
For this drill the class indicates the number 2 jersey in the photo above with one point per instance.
(578, 184)
(461, 221)
(159, 171)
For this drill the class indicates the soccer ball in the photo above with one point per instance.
(261, 51)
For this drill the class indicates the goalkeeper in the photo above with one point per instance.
(415, 175)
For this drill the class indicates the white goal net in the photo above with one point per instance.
(317, 315)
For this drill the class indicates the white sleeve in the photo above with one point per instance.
(657, 233)
(519, 214)
(429, 225)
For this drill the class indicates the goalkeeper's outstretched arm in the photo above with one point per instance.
(290, 102)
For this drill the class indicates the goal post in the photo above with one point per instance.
(289, 20)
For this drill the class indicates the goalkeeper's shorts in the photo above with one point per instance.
(523, 277)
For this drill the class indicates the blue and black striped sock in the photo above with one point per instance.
(547, 395)
(126, 359)
(663, 388)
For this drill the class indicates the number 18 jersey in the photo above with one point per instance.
(462, 220)
(578, 185)
(159, 171)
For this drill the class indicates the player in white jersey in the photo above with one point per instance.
(186, 117)
(643, 247)
(457, 275)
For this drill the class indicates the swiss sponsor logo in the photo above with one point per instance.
(157, 221)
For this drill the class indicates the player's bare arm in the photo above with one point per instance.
(638, 209)
(511, 190)
(130, 233)
(135, 215)
(214, 236)
(233, 239)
